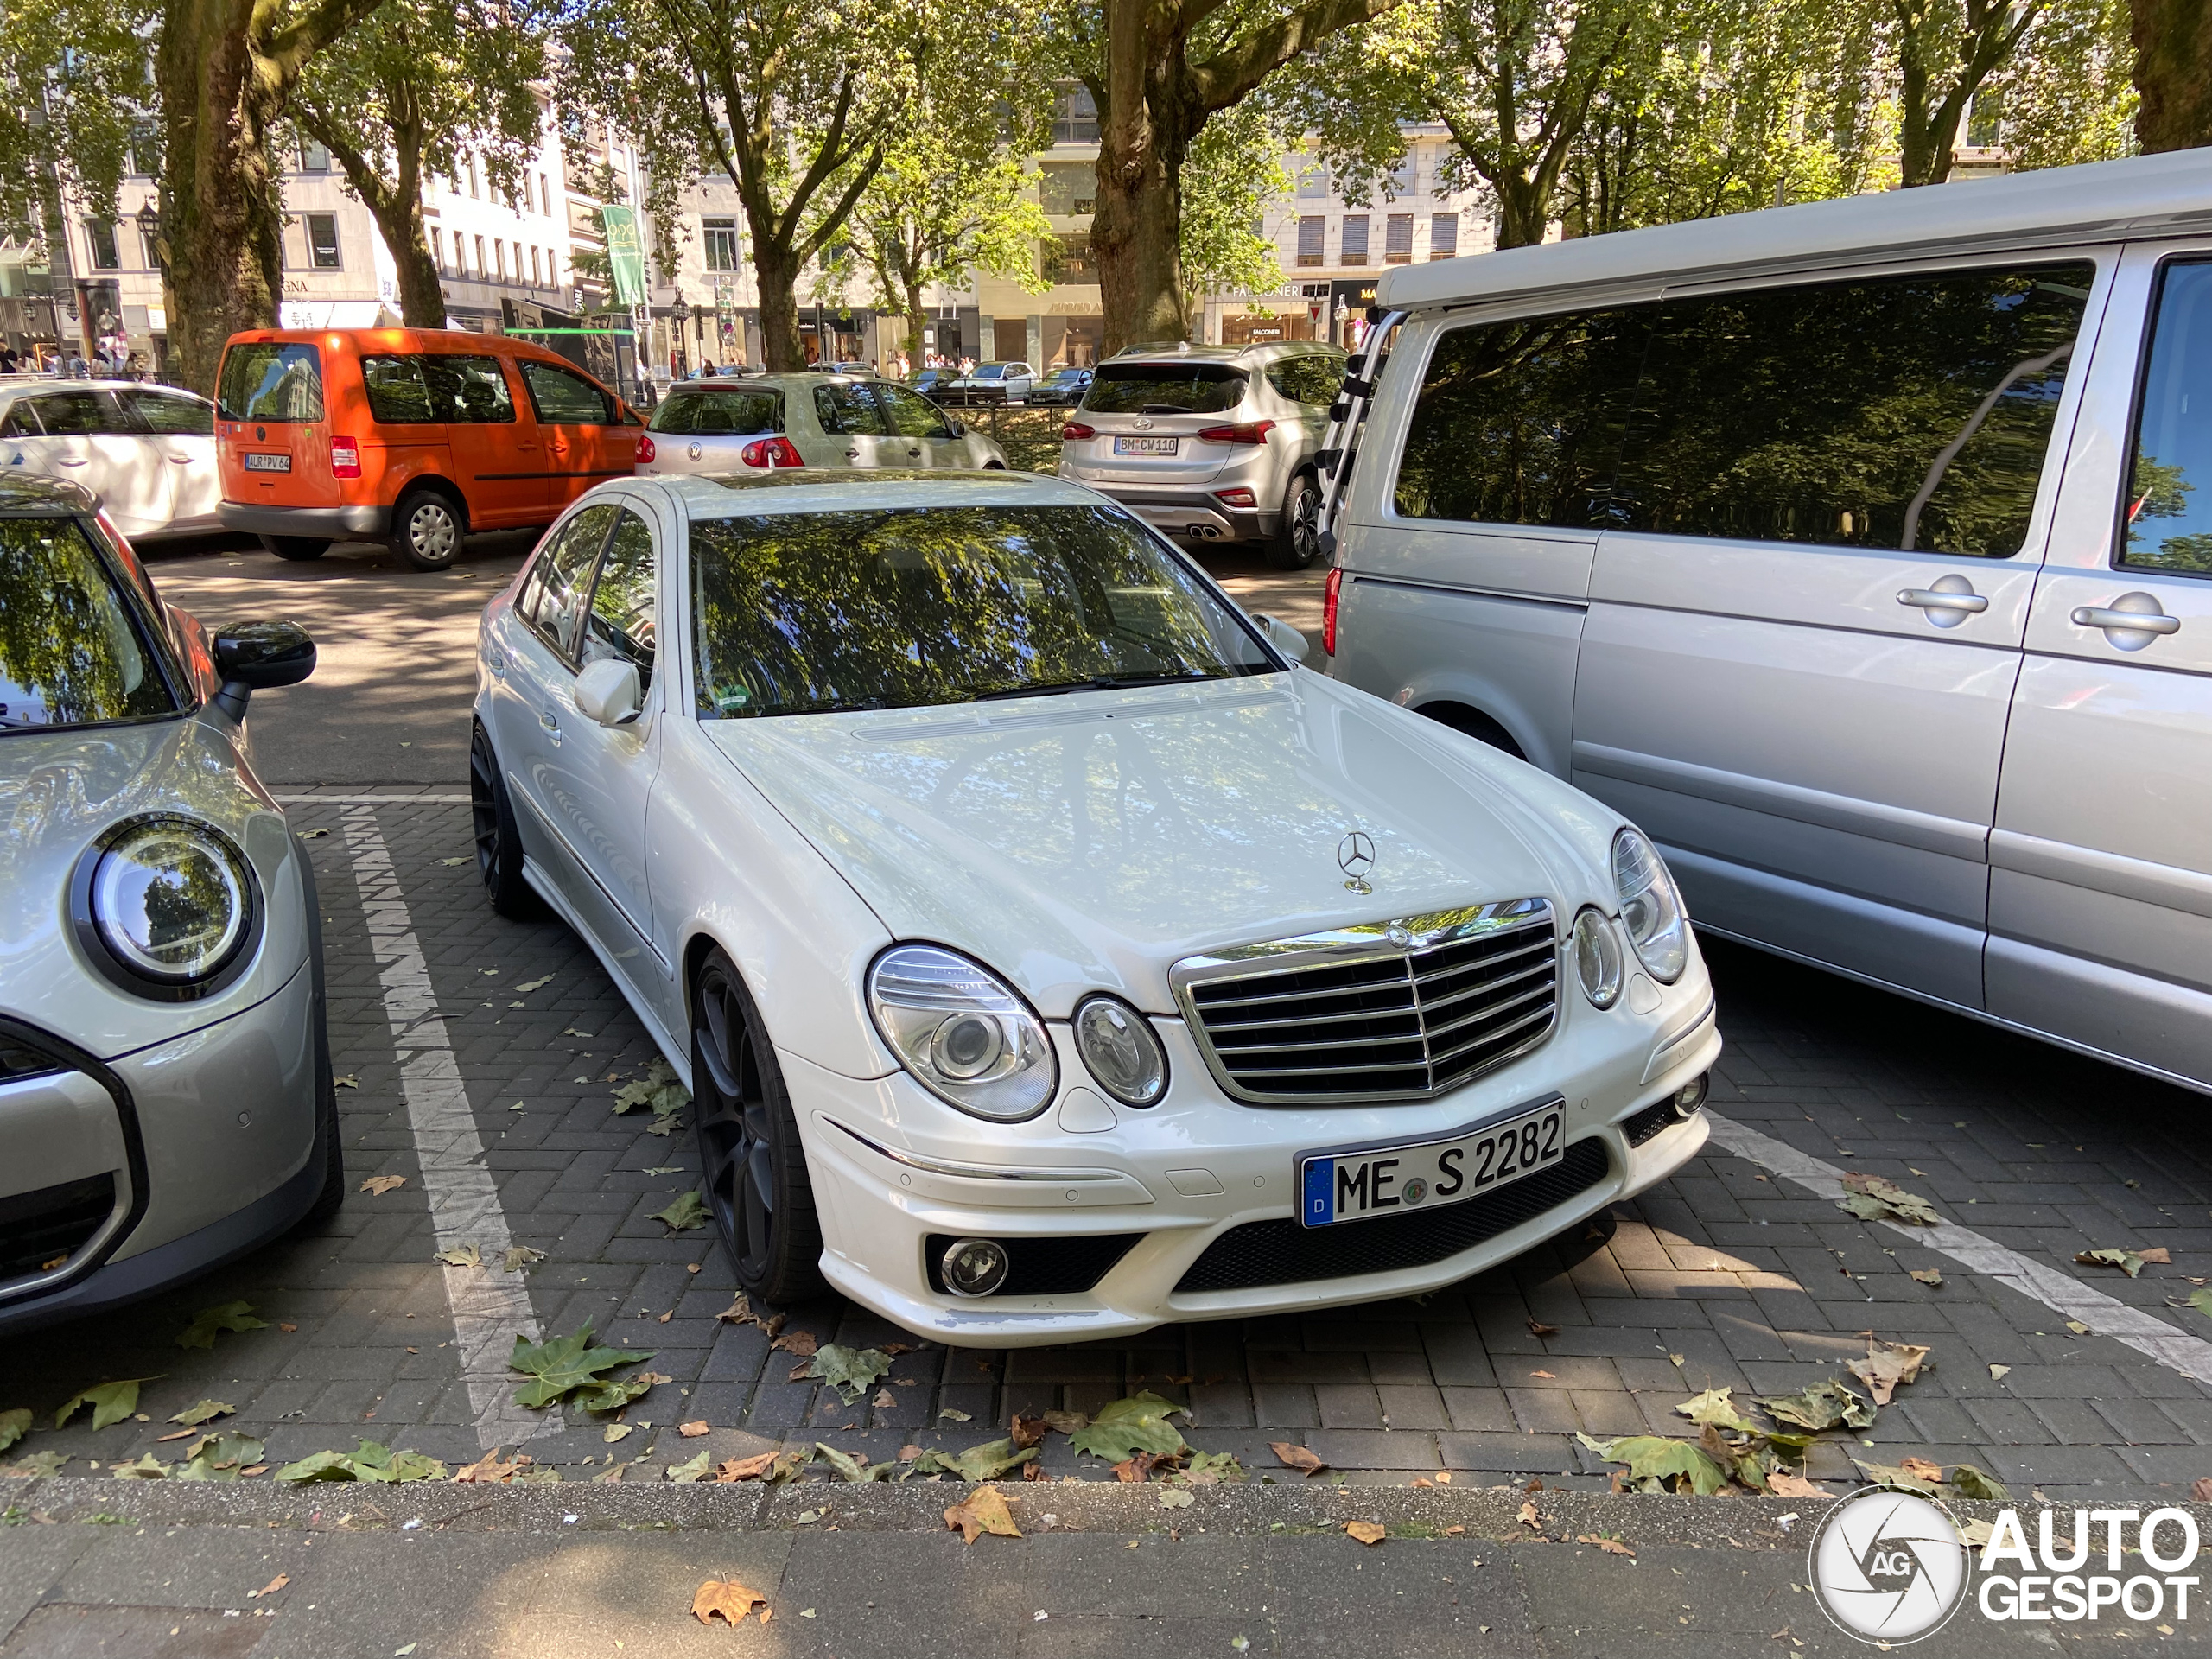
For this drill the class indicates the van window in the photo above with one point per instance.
(1896, 412)
(718, 414)
(272, 381)
(1164, 389)
(562, 398)
(2169, 505)
(423, 390)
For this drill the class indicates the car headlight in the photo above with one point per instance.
(1598, 962)
(962, 1033)
(170, 901)
(1119, 1046)
(1651, 909)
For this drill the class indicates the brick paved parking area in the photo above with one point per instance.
(1742, 1272)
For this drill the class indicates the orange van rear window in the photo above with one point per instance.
(271, 381)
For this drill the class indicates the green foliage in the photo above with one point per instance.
(79, 91)
(1235, 164)
(659, 1088)
(111, 1402)
(208, 1321)
(1825, 1405)
(13, 1425)
(1714, 1407)
(1138, 1423)
(371, 1461)
(986, 1462)
(569, 1368)
(851, 1371)
(689, 1211)
(223, 1456)
(1653, 1460)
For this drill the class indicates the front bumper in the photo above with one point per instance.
(891, 1169)
(356, 523)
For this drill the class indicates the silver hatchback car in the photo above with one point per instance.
(165, 1092)
(1212, 443)
(768, 421)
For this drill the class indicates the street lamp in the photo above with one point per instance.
(680, 314)
(150, 232)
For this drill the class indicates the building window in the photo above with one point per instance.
(499, 257)
(1312, 230)
(537, 272)
(1402, 175)
(99, 233)
(313, 158)
(1312, 179)
(1355, 238)
(437, 247)
(720, 236)
(1069, 259)
(323, 241)
(1075, 116)
(1398, 239)
(481, 267)
(1985, 121)
(1443, 235)
(474, 183)
(544, 197)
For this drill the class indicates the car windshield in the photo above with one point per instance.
(719, 412)
(72, 651)
(1165, 389)
(798, 614)
(991, 372)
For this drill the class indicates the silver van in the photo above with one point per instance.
(1861, 551)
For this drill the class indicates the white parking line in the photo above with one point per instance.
(2062, 1293)
(491, 1307)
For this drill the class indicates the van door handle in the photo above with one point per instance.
(2130, 622)
(67, 462)
(1936, 599)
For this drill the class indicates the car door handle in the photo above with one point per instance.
(2114, 621)
(914, 452)
(496, 660)
(852, 454)
(1936, 599)
(78, 462)
(180, 460)
(551, 722)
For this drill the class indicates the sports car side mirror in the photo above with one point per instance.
(609, 692)
(258, 657)
(1285, 638)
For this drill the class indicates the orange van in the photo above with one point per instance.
(413, 436)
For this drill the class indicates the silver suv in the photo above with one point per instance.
(1212, 443)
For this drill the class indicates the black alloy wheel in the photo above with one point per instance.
(1299, 540)
(498, 847)
(756, 1181)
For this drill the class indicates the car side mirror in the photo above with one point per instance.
(1285, 638)
(259, 656)
(959, 428)
(609, 692)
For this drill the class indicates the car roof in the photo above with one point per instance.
(27, 493)
(19, 385)
(1191, 351)
(798, 379)
(403, 340)
(849, 489)
(2146, 195)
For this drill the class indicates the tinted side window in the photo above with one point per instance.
(842, 409)
(21, 421)
(718, 414)
(1902, 412)
(2169, 505)
(415, 390)
(912, 415)
(552, 599)
(624, 603)
(72, 413)
(72, 653)
(566, 399)
(169, 412)
(1311, 381)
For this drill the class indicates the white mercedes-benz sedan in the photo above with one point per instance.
(1049, 954)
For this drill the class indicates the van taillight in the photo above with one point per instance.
(645, 450)
(1076, 432)
(771, 452)
(1249, 432)
(1329, 611)
(345, 458)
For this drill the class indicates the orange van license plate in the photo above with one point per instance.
(267, 463)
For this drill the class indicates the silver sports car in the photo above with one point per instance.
(165, 1090)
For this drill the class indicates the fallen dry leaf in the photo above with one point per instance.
(2200, 1490)
(1529, 1518)
(1783, 1484)
(1370, 1533)
(1423, 1480)
(1922, 1467)
(884, 1397)
(692, 1431)
(490, 1470)
(1926, 1276)
(1067, 1422)
(1455, 1532)
(181, 1435)
(1134, 1470)
(1545, 1374)
(269, 1588)
(909, 1452)
(1028, 1432)
(1610, 1546)
(1538, 1328)
(381, 1185)
(804, 1343)
(727, 1597)
(745, 1468)
(1997, 1372)
(982, 1510)
(1297, 1457)
(2158, 1255)
(1887, 1365)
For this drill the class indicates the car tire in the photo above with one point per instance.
(755, 1175)
(499, 843)
(426, 530)
(1297, 541)
(300, 549)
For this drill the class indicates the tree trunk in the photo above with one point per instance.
(2173, 72)
(422, 292)
(777, 271)
(1136, 234)
(396, 205)
(1523, 211)
(1923, 154)
(914, 325)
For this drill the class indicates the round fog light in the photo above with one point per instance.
(1690, 1096)
(974, 1267)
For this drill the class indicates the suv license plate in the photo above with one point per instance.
(257, 462)
(1359, 1186)
(1145, 446)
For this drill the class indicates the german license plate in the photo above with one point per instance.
(257, 462)
(1359, 1184)
(1145, 446)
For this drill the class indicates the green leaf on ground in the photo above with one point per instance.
(1140, 1423)
(1655, 1460)
(1970, 1482)
(223, 1456)
(230, 1316)
(2202, 1301)
(205, 1411)
(372, 1461)
(570, 1367)
(986, 1462)
(13, 1425)
(1714, 1406)
(851, 1371)
(694, 1469)
(460, 1255)
(689, 1211)
(2126, 1260)
(1825, 1405)
(658, 1090)
(1210, 1468)
(529, 985)
(37, 1463)
(1898, 1480)
(111, 1402)
(519, 1256)
(1176, 1497)
(147, 1467)
(1870, 1198)
(850, 1469)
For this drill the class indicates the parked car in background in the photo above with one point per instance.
(166, 1101)
(1212, 443)
(1048, 955)
(805, 420)
(931, 383)
(1876, 585)
(414, 437)
(991, 383)
(146, 453)
(1063, 388)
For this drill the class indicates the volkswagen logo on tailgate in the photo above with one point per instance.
(1356, 857)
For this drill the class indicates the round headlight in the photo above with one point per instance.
(1651, 909)
(1118, 1045)
(170, 901)
(962, 1033)
(1598, 957)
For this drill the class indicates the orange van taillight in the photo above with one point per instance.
(1076, 432)
(645, 450)
(771, 452)
(1329, 611)
(1249, 432)
(345, 458)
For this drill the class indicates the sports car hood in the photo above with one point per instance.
(1090, 840)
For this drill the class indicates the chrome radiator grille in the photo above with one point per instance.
(1400, 1010)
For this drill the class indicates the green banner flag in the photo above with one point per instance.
(625, 254)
